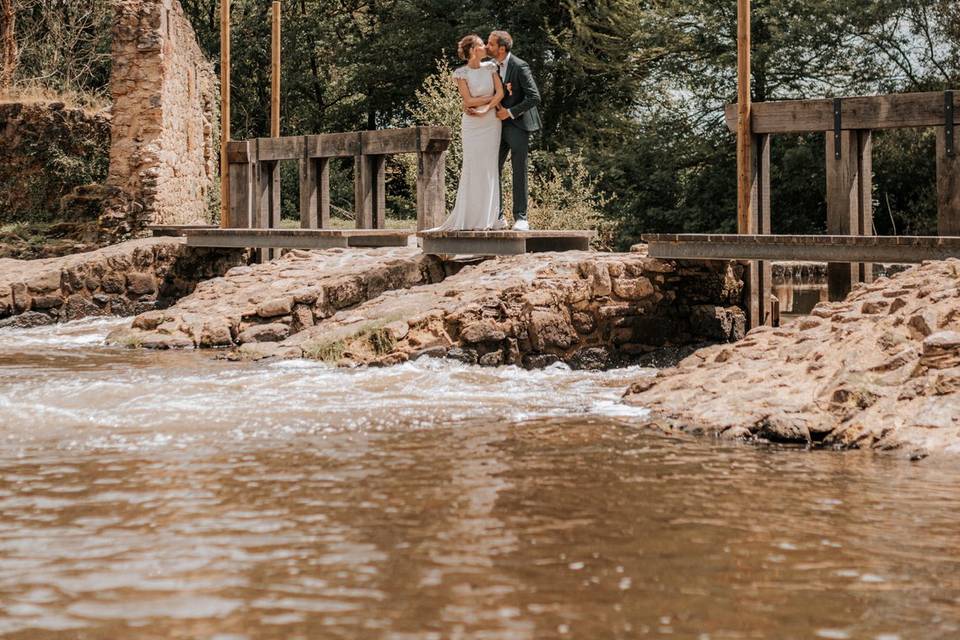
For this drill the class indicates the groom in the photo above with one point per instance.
(520, 117)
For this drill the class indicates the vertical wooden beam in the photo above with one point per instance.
(314, 193)
(224, 113)
(744, 139)
(948, 186)
(363, 192)
(275, 74)
(243, 178)
(760, 274)
(865, 197)
(378, 174)
(849, 202)
(431, 189)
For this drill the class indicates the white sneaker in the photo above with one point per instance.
(499, 225)
(521, 225)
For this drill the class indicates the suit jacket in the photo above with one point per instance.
(525, 98)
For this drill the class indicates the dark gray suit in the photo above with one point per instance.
(521, 99)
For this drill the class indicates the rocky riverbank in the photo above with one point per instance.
(879, 370)
(124, 279)
(385, 306)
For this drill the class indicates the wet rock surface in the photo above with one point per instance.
(589, 310)
(386, 306)
(879, 370)
(256, 307)
(123, 279)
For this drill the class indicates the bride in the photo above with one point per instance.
(478, 197)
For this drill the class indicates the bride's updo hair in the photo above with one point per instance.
(467, 43)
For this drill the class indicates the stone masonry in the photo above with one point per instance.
(127, 278)
(165, 120)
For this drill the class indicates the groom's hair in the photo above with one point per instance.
(504, 39)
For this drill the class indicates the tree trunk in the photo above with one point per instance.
(8, 44)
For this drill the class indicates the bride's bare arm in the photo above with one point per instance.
(468, 100)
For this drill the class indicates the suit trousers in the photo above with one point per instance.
(515, 142)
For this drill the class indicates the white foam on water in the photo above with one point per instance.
(83, 394)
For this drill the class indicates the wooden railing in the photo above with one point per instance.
(255, 176)
(848, 124)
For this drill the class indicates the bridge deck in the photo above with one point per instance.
(503, 243)
(895, 249)
(296, 238)
(176, 230)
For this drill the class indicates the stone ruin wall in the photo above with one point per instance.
(164, 151)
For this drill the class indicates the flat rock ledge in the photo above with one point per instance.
(880, 370)
(123, 279)
(589, 310)
(386, 306)
(254, 307)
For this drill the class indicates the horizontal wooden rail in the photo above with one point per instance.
(895, 111)
(340, 145)
(843, 248)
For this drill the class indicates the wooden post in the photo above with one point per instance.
(378, 172)
(744, 139)
(370, 191)
(362, 192)
(275, 75)
(314, 193)
(224, 112)
(243, 178)
(760, 274)
(849, 203)
(948, 186)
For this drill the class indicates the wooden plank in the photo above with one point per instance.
(295, 238)
(378, 173)
(759, 274)
(314, 193)
(527, 235)
(744, 131)
(309, 194)
(845, 204)
(435, 139)
(948, 186)
(225, 188)
(388, 141)
(242, 187)
(431, 189)
(333, 145)
(241, 151)
(865, 198)
(363, 192)
(273, 149)
(859, 112)
(275, 72)
(830, 249)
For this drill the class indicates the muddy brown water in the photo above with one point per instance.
(149, 495)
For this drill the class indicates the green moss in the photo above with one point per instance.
(381, 340)
(329, 351)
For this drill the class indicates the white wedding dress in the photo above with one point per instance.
(478, 196)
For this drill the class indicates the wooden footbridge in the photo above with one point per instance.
(254, 198)
(851, 245)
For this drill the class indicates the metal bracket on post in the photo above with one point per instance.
(837, 126)
(948, 112)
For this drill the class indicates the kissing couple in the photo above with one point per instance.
(500, 99)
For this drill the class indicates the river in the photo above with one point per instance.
(172, 495)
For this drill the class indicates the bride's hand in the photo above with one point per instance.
(481, 109)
